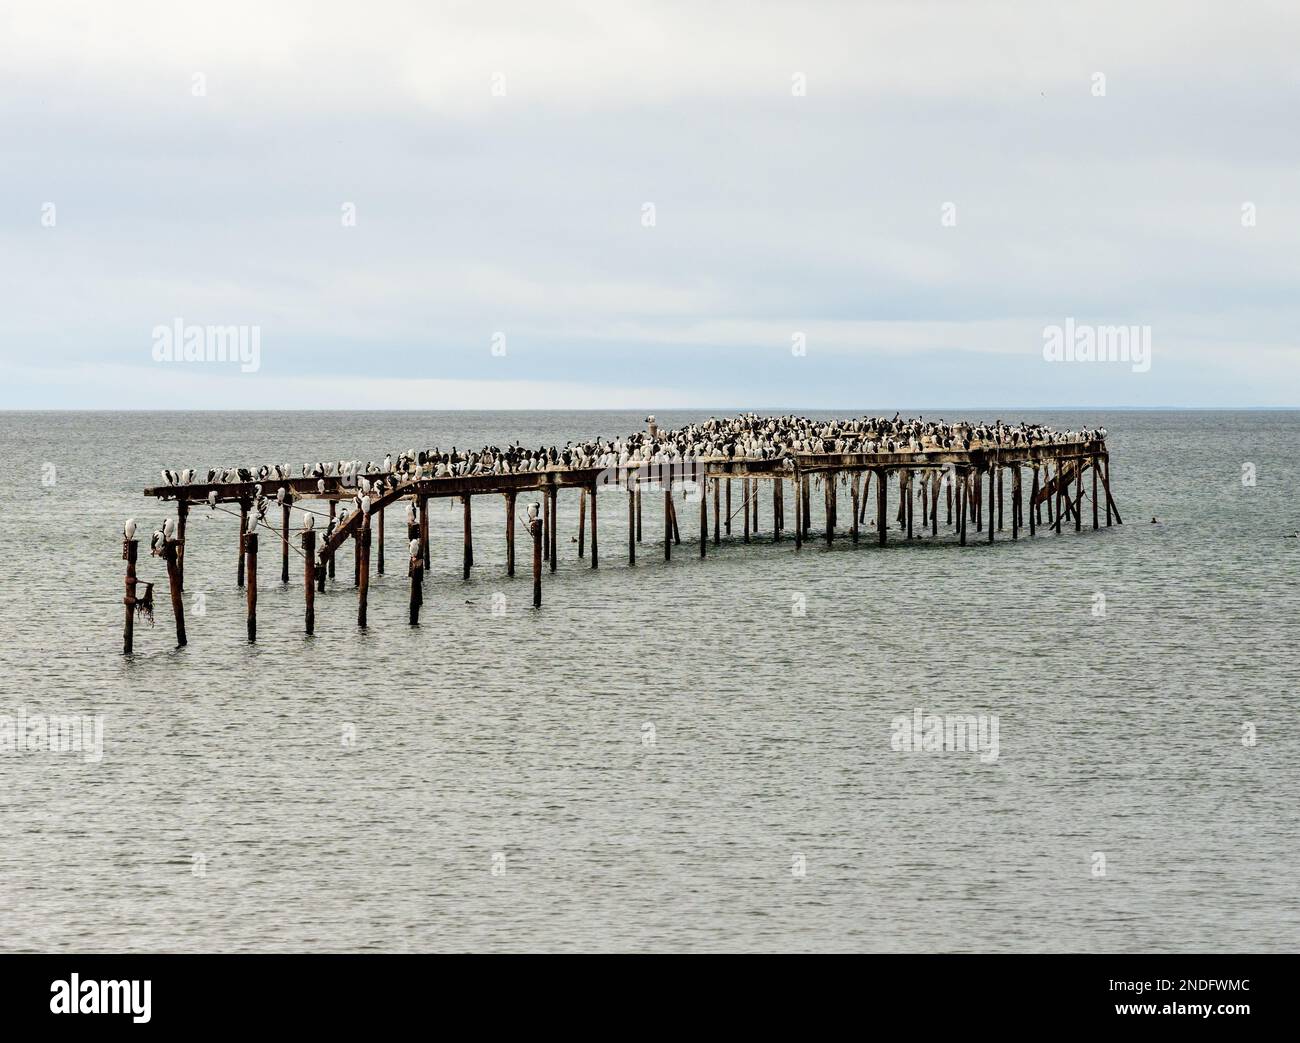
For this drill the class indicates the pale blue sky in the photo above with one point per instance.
(500, 155)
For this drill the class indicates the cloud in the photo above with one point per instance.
(521, 212)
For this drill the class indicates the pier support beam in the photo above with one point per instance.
(172, 555)
(333, 510)
(882, 507)
(1094, 492)
(595, 549)
(1078, 494)
(1033, 501)
(535, 527)
(130, 550)
(963, 495)
(284, 538)
(717, 514)
(704, 514)
(309, 580)
(510, 533)
(853, 492)
(415, 570)
(668, 522)
(467, 555)
(363, 557)
(182, 516)
(631, 520)
(795, 485)
(582, 523)
(243, 528)
(250, 552)
(1015, 502)
(380, 564)
(424, 531)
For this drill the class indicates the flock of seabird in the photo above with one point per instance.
(748, 436)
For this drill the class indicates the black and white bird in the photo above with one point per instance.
(308, 522)
(128, 530)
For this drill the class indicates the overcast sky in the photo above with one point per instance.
(197, 161)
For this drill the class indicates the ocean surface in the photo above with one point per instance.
(665, 757)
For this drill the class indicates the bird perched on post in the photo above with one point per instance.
(128, 530)
(308, 522)
(212, 500)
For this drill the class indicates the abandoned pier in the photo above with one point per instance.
(961, 491)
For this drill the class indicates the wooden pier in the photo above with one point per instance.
(967, 486)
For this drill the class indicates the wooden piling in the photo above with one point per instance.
(717, 514)
(595, 550)
(631, 520)
(796, 483)
(250, 552)
(415, 570)
(171, 554)
(510, 533)
(423, 503)
(1057, 485)
(963, 493)
(467, 554)
(1015, 502)
(333, 510)
(284, 539)
(998, 468)
(911, 500)
(993, 507)
(778, 508)
(130, 550)
(380, 563)
(882, 507)
(638, 511)
(744, 504)
(553, 527)
(363, 588)
(1078, 494)
(727, 520)
(582, 523)
(754, 493)
(668, 522)
(535, 527)
(853, 493)
(704, 518)
(1094, 492)
(309, 578)
(1033, 501)
(243, 528)
(807, 505)
(935, 482)
(182, 516)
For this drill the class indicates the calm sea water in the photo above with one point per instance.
(647, 762)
